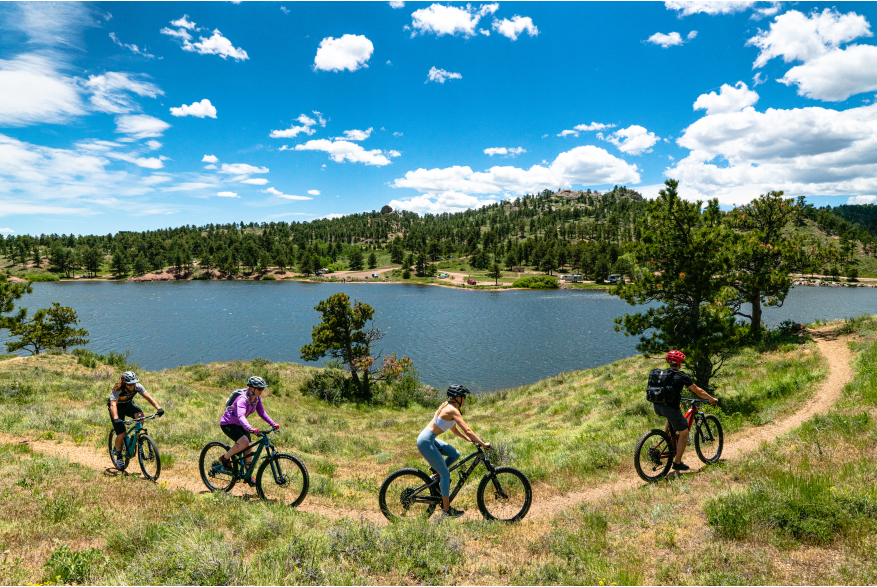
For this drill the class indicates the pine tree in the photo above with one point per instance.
(372, 260)
(356, 259)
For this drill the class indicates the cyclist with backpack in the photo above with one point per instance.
(121, 405)
(665, 392)
(240, 404)
(446, 417)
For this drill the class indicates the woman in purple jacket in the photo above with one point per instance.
(234, 421)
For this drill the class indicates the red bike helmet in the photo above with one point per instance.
(675, 358)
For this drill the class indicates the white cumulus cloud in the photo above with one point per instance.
(140, 126)
(803, 151)
(213, 45)
(689, 7)
(227, 195)
(255, 181)
(397, 3)
(633, 140)
(357, 135)
(504, 151)
(340, 151)
(670, 40)
(836, 75)
(280, 194)
(729, 99)
(314, 192)
(860, 200)
(440, 75)
(350, 52)
(592, 126)
(514, 27)
(200, 109)
(588, 165)
(449, 20)
(241, 169)
(184, 22)
(797, 37)
(210, 159)
(440, 203)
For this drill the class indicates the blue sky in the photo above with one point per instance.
(133, 116)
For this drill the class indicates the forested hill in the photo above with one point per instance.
(588, 232)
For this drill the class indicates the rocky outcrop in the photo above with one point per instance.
(821, 283)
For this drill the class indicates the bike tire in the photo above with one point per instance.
(214, 479)
(148, 457)
(391, 496)
(709, 437)
(294, 480)
(643, 461)
(512, 495)
(111, 446)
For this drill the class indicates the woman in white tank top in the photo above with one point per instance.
(447, 417)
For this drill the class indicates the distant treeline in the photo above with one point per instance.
(588, 232)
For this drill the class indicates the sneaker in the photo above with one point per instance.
(251, 481)
(226, 463)
(680, 467)
(118, 460)
(452, 513)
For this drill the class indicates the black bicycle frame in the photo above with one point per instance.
(476, 458)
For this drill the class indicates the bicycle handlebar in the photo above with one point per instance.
(697, 400)
(143, 419)
(266, 432)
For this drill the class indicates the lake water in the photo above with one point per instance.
(488, 340)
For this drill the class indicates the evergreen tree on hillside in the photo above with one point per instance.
(356, 259)
(372, 260)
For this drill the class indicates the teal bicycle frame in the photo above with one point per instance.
(131, 434)
(239, 464)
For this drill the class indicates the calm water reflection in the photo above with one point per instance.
(490, 340)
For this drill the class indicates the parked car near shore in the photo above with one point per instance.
(471, 282)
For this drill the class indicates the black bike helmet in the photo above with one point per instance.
(456, 391)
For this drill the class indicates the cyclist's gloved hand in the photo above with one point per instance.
(256, 431)
(277, 427)
(160, 412)
(118, 421)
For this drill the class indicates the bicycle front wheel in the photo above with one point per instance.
(397, 498)
(214, 475)
(653, 456)
(283, 479)
(708, 440)
(111, 446)
(505, 496)
(147, 454)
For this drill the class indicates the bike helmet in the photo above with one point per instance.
(256, 382)
(456, 391)
(129, 377)
(675, 358)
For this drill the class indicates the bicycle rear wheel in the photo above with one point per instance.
(708, 440)
(111, 446)
(147, 454)
(283, 479)
(214, 475)
(505, 496)
(653, 456)
(396, 496)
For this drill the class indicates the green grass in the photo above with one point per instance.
(806, 497)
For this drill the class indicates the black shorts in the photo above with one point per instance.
(235, 432)
(125, 410)
(673, 415)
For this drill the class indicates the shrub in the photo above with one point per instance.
(37, 277)
(330, 384)
(536, 282)
(72, 566)
(269, 278)
(91, 359)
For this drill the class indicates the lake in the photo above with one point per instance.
(487, 340)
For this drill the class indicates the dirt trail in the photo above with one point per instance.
(184, 475)
(840, 372)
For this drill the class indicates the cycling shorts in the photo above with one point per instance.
(125, 410)
(235, 432)
(673, 415)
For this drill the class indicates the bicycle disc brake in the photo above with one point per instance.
(655, 456)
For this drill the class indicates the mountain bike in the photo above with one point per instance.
(282, 477)
(504, 493)
(655, 450)
(137, 441)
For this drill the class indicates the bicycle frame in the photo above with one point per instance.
(270, 450)
(476, 457)
(131, 434)
(690, 417)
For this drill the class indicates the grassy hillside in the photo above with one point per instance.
(62, 522)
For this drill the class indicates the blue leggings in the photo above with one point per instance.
(432, 450)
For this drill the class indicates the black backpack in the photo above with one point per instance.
(660, 388)
(234, 395)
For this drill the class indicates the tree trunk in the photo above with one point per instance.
(755, 327)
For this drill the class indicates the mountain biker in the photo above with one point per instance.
(446, 417)
(121, 405)
(234, 421)
(673, 410)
